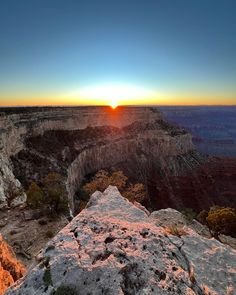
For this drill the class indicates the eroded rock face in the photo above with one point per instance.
(77, 142)
(10, 269)
(11, 192)
(113, 247)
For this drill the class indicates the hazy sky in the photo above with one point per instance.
(131, 51)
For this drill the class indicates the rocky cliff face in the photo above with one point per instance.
(114, 247)
(79, 141)
(17, 125)
(11, 192)
(10, 269)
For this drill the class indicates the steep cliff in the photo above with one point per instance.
(114, 247)
(79, 141)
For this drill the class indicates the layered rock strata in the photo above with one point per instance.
(79, 141)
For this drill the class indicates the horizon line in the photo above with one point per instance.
(131, 105)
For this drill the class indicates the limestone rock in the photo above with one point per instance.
(228, 240)
(169, 217)
(11, 192)
(113, 247)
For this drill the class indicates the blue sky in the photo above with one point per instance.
(177, 49)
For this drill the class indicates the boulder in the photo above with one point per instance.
(113, 247)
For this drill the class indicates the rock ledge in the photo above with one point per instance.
(113, 247)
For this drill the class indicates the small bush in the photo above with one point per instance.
(102, 179)
(54, 187)
(176, 230)
(222, 220)
(202, 216)
(35, 196)
(135, 192)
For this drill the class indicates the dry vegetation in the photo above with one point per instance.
(102, 179)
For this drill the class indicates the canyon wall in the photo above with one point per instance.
(18, 123)
(76, 142)
(79, 141)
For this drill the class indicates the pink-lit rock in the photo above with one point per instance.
(113, 247)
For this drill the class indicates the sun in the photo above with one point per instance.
(114, 94)
(113, 104)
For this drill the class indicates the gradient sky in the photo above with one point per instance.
(130, 51)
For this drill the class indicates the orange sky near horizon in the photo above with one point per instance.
(114, 94)
(72, 101)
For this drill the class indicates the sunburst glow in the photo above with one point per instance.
(112, 94)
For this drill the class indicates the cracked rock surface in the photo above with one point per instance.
(113, 247)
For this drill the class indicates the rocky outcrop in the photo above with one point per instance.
(171, 217)
(11, 192)
(10, 269)
(113, 247)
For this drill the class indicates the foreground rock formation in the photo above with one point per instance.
(114, 247)
(10, 269)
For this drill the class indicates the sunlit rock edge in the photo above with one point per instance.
(10, 268)
(115, 247)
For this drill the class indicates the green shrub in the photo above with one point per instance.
(35, 196)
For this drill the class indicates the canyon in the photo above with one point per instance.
(77, 142)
